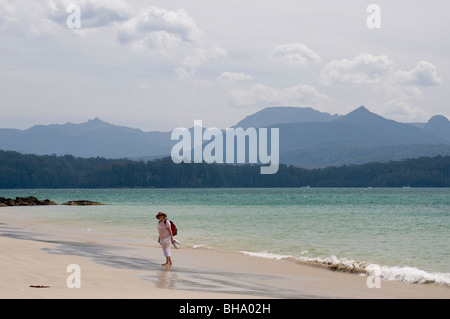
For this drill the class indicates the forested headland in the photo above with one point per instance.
(50, 171)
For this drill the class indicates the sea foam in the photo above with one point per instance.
(410, 275)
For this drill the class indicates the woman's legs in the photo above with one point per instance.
(165, 243)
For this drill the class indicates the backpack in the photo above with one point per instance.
(172, 226)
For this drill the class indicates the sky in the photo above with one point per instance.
(159, 65)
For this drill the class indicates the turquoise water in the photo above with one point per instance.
(404, 231)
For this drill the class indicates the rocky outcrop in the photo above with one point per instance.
(25, 201)
(33, 201)
(81, 203)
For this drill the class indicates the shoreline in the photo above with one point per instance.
(34, 253)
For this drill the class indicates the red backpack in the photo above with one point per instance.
(172, 226)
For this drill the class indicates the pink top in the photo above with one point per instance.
(163, 229)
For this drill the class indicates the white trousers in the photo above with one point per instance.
(165, 243)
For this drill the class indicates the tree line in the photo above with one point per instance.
(50, 171)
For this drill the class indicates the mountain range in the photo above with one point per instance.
(308, 138)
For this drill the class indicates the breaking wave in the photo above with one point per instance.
(410, 275)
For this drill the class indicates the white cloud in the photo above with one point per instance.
(94, 13)
(159, 28)
(363, 69)
(295, 54)
(402, 110)
(262, 96)
(142, 87)
(149, 27)
(406, 86)
(26, 17)
(234, 77)
(423, 75)
(198, 58)
(399, 88)
(201, 56)
(369, 69)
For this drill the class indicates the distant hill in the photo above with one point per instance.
(90, 139)
(440, 126)
(379, 130)
(282, 114)
(356, 138)
(308, 138)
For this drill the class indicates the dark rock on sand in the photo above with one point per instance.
(33, 201)
(24, 201)
(81, 203)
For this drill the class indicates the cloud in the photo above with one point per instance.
(150, 27)
(369, 69)
(25, 18)
(34, 18)
(234, 77)
(142, 87)
(363, 69)
(423, 75)
(399, 88)
(157, 28)
(402, 110)
(94, 13)
(262, 96)
(295, 54)
(198, 58)
(406, 86)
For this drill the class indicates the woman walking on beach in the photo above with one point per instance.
(165, 237)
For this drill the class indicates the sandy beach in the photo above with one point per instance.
(34, 258)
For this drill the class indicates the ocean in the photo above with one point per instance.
(404, 232)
